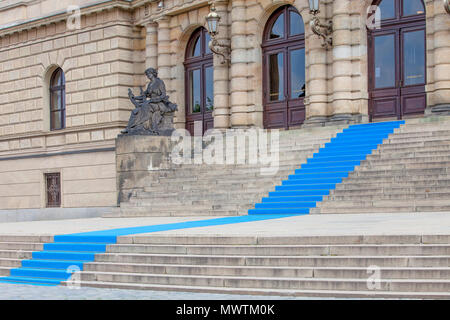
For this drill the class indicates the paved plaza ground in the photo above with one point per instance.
(306, 225)
(28, 292)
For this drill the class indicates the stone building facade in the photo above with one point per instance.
(103, 48)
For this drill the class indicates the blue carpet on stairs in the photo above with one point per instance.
(296, 196)
(325, 169)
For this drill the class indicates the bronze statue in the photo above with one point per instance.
(153, 114)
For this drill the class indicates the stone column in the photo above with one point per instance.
(151, 45)
(221, 72)
(316, 100)
(341, 95)
(238, 85)
(438, 58)
(164, 55)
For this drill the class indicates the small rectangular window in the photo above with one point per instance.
(53, 189)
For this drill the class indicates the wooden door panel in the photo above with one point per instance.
(296, 116)
(275, 118)
(385, 107)
(413, 104)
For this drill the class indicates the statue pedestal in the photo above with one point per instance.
(140, 159)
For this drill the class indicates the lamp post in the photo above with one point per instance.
(323, 31)
(447, 6)
(223, 50)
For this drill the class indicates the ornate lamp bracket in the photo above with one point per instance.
(215, 45)
(220, 49)
(322, 30)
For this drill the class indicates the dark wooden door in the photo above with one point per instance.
(284, 69)
(397, 67)
(199, 82)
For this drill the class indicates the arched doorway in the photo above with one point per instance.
(199, 81)
(397, 60)
(284, 81)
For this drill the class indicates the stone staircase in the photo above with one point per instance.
(222, 190)
(409, 172)
(322, 170)
(409, 266)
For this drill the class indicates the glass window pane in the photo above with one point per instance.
(209, 88)
(56, 78)
(385, 61)
(55, 120)
(414, 55)
(387, 8)
(196, 51)
(276, 75)
(207, 40)
(62, 79)
(298, 83)
(194, 79)
(55, 100)
(278, 28)
(296, 25)
(413, 7)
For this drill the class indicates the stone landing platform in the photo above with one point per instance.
(429, 223)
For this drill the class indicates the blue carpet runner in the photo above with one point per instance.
(296, 196)
(325, 169)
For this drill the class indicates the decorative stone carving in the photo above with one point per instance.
(154, 112)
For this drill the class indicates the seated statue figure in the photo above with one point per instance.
(154, 112)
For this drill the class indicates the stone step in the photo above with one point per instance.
(406, 285)
(282, 250)
(151, 206)
(427, 179)
(397, 197)
(284, 240)
(190, 196)
(20, 246)
(10, 263)
(26, 238)
(409, 152)
(271, 292)
(416, 144)
(376, 173)
(392, 183)
(349, 189)
(273, 272)
(219, 182)
(15, 254)
(203, 192)
(406, 208)
(135, 212)
(432, 160)
(394, 139)
(4, 272)
(280, 261)
(385, 203)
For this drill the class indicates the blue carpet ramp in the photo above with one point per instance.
(325, 169)
(53, 265)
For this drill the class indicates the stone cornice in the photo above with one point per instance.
(63, 15)
(170, 12)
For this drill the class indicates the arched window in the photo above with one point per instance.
(397, 60)
(57, 100)
(284, 79)
(199, 81)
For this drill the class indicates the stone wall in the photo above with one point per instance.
(87, 180)
(101, 60)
